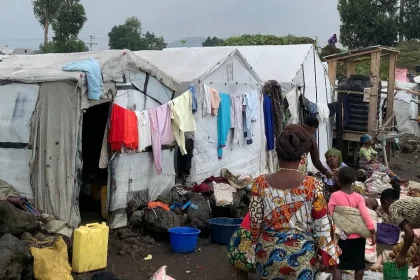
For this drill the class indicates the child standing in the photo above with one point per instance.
(353, 247)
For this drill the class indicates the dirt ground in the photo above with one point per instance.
(209, 262)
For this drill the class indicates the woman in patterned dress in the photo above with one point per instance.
(240, 251)
(290, 225)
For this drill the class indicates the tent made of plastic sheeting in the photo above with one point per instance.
(41, 117)
(405, 107)
(290, 65)
(225, 70)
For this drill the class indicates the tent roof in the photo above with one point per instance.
(48, 67)
(280, 62)
(189, 64)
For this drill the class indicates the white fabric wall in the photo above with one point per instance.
(17, 104)
(238, 158)
(318, 90)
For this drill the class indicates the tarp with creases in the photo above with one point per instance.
(55, 127)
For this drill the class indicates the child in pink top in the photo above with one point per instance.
(353, 248)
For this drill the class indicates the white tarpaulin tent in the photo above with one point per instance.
(225, 70)
(290, 65)
(405, 107)
(41, 120)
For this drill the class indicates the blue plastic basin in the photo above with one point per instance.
(222, 229)
(184, 239)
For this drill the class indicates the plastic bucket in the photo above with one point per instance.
(222, 229)
(184, 239)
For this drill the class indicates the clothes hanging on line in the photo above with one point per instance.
(93, 73)
(131, 134)
(273, 90)
(309, 106)
(116, 130)
(123, 130)
(250, 102)
(211, 101)
(193, 91)
(292, 98)
(145, 135)
(323, 112)
(223, 123)
(161, 130)
(268, 122)
(236, 117)
(183, 118)
(332, 107)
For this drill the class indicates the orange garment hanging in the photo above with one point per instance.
(116, 130)
(131, 135)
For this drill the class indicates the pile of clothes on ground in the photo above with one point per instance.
(223, 196)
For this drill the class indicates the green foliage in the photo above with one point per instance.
(366, 23)
(409, 55)
(328, 50)
(129, 36)
(151, 42)
(45, 12)
(67, 24)
(69, 21)
(260, 39)
(213, 42)
(411, 24)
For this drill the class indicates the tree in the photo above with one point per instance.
(410, 26)
(151, 42)
(67, 24)
(183, 42)
(126, 36)
(259, 39)
(328, 50)
(45, 12)
(365, 23)
(70, 20)
(129, 36)
(213, 42)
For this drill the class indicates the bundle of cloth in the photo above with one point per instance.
(348, 219)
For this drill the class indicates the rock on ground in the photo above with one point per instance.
(15, 260)
(159, 220)
(15, 221)
(137, 218)
(198, 218)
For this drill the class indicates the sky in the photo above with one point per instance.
(175, 20)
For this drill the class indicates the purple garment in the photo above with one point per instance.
(332, 40)
(161, 130)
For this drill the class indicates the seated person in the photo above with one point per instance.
(334, 162)
(404, 213)
(368, 160)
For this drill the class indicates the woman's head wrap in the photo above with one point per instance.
(365, 138)
(335, 153)
(292, 145)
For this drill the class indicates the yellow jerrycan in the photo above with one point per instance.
(90, 248)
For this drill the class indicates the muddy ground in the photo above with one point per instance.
(210, 261)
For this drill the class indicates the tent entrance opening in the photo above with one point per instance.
(94, 179)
